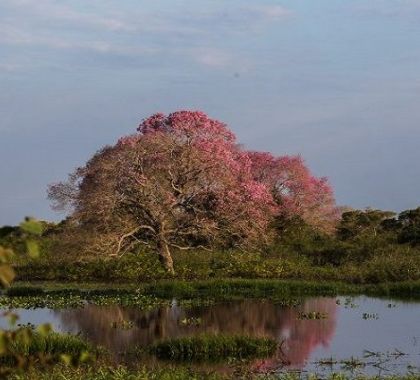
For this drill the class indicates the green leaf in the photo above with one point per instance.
(3, 342)
(32, 248)
(32, 226)
(44, 329)
(25, 336)
(5, 255)
(84, 357)
(12, 318)
(7, 274)
(66, 359)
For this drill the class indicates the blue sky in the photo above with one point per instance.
(336, 81)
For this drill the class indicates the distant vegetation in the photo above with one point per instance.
(368, 246)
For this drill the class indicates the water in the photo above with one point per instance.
(357, 335)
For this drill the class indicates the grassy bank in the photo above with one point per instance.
(151, 295)
(391, 266)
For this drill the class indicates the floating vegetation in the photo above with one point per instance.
(74, 299)
(191, 294)
(287, 302)
(349, 303)
(373, 316)
(368, 354)
(214, 348)
(189, 303)
(327, 362)
(312, 315)
(46, 301)
(192, 321)
(352, 364)
(122, 325)
(397, 353)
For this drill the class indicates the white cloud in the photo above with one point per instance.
(48, 10)
(133, 31)
(271, 11)
(13, 36)
(396, 8)
(212, 57)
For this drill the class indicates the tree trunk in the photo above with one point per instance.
(165, 257)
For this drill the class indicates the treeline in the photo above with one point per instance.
(367, 246)
(359, 236)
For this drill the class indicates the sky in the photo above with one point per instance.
(335, 81)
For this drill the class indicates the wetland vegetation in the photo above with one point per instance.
(185, 256)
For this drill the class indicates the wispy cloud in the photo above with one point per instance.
(273, 12)
(135, 30)
(397, 8)
(49, 10)
(212, 57)
(13, 36)
(9, 66)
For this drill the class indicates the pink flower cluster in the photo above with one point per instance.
(253, 185)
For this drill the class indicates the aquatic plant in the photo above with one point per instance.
(123, 325)
(192, 321)
(312, 315)
(213, 347)
(370, 316)
(49, 346)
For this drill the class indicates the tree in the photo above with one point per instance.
(410, 226)
(364, 222)
(295, 190)
(180, 182)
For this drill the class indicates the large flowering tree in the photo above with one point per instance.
(181, 181)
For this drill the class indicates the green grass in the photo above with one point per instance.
(52, 345)
(275, 289)
(175, 373)
(152, 295)
(214, 348)
(393, 265)
(116, 373)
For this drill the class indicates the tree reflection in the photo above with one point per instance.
(298, 338)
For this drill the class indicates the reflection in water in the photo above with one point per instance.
(298, 338)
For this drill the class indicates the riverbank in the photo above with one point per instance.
(392, 266)
(152, 294)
